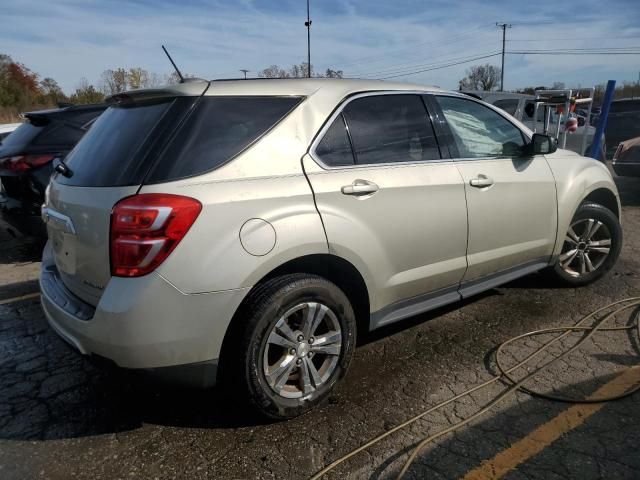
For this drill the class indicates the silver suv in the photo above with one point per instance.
(244, 231)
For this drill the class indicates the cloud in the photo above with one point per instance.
(70, 39)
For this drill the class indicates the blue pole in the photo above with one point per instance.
(602, 123)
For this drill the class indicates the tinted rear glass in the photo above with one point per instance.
(508, 105)
(23, 135)
(112, 148)
(623, 106)
(217, 130)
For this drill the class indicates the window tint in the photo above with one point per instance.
(390, 128)
(508, 105)
(108, 151)
(479, 131)
(59, 135)
(217, 130)
(335, 149)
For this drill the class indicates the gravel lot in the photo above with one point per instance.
(61, 417)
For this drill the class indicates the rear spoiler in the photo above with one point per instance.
(192, 87)
(40, 118)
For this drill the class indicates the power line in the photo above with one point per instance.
(573, 53)
(441, 66)
(412, 66)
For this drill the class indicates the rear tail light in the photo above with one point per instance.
(146, 228)
(22, 163)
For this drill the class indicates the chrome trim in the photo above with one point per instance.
(51, 216)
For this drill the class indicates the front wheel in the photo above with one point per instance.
(298, 340)
(591, 245)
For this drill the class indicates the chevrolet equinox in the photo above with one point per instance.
(245, 231)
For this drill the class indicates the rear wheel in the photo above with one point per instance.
(298, 340)
(591, 245)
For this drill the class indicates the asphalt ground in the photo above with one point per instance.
(62, 417)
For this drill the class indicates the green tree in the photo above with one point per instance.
(86, 93)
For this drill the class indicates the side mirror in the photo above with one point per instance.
(542, 144)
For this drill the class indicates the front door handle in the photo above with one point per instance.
(360, 187)
(481, 181)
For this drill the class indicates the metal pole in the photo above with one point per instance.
(504, 27)
(602, 123)
(244, 70)
(308, 25)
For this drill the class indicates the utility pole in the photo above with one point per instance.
(308, 25)
(504, 27)
(244, 70)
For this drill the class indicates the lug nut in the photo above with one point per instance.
(299, 361)
(310, 354)
(300, 338)
(292, 351)
(311, 340)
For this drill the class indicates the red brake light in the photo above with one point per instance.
(146, 228)
(22, 163)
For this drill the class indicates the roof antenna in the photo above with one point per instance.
(174, 64)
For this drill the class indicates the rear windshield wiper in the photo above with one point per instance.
(63, 169)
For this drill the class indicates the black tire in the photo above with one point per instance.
(259, 315)
(608, 218)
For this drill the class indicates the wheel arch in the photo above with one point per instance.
(605, 197)
(332, 267)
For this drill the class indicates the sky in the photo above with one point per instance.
(71, 39)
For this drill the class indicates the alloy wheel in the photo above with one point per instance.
(302, 350)
(586, 246)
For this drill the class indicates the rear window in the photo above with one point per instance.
(111, 151)
(170, 139)
(216, 131)
(21, 136)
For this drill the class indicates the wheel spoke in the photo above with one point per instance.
(277, 339)
(572, 237)
(283, 326)
(600, 243)
(313, 371)
(583, 265)
(588, 263)
(315, 314)
(567, 258)
(279, 376)
(329, 344)
(588, 228)
(305, 378)
(604, 250)
(594, 228)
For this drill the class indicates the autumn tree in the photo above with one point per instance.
(51, 93)
(86, 93)
(481, 77)
(297, 71)
(19, 86)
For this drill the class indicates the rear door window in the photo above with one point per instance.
(335, 148)
(391, 128)
(216, 131)
(22, 136)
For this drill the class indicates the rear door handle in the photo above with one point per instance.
(360, 187)
(481, 181)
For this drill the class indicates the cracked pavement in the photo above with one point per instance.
(62, 417)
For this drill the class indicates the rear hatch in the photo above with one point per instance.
(146, 137)
(108, 165)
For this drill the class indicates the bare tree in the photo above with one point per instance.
(330, 73)
(481, 77)
(274, 71)
(113, 81)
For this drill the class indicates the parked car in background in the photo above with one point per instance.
(27, 157)
(623, 123)
(6, 129)
(522, 107)
(626, 160)
(244, 231)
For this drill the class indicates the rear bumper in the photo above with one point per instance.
(145, 323)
